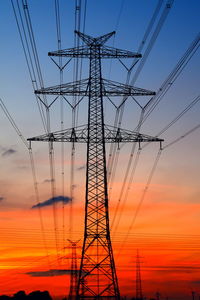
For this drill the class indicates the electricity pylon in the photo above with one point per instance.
(138, 294)
(74, 270)
(97, 277)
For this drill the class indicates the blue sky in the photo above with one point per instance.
(180, 28)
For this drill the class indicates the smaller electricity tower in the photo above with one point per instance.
(139, 293)
(74, 270)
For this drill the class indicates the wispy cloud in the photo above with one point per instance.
(173, 269)
(81, 168)
(8, 152)
(48, 180)
(196, 282)
(49, 273)
(53, 200)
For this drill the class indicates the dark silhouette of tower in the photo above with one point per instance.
(157, 295)
(193, 295)
(74, 270)
(97, 277)
(139, 293)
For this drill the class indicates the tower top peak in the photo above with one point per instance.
(90, 41)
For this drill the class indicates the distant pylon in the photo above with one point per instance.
(157, 296)
(74, 271)
(139, 293)
(193, 295)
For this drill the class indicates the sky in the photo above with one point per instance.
(166, 226)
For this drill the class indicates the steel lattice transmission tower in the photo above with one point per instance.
(74, 270)
(97, 276)
(139, 294)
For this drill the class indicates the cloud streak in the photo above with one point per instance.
(81, 168)
(8, 152)
(48, 180)
(52, 201)
(173, 269)
(50, 273)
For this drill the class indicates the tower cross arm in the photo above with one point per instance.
(112, 135)
(110, 52)
(83, 51)
(76, 88)
(105, 52)
(89, 40)
(113, 88)
(120, 135)
(109, 88)
(78, 134)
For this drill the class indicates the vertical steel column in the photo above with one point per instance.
(139, 294)
(74, 271)
(97, 272)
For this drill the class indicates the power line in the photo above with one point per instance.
(28, 146)
(119, 113)
(135, 235)
(184, 135)
(61, 68)
(147, 33)
(141, 199)
(151, 176)
(41, 84)
(126, 192)
(180, 115)
(154, 36)
(177, 118)
(129, 165)
(28, 58)
(171, 78)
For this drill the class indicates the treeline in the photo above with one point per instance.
(21, 295)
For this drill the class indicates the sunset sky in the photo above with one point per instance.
(161, 220)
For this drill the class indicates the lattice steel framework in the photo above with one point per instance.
(97, 278)
(139, 294)
(74, 271)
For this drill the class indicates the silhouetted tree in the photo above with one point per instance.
(5, 297)
(21, 295)
(37, 295)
